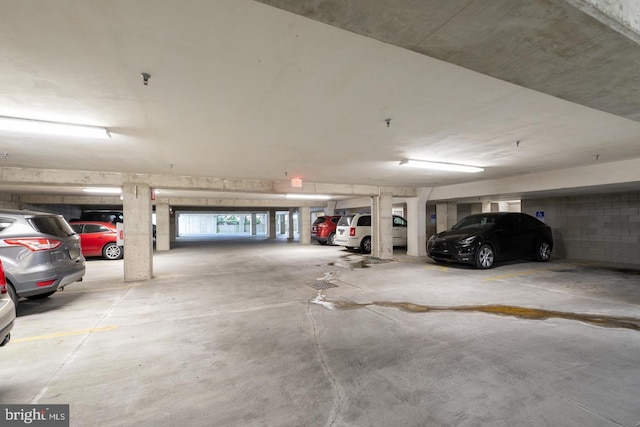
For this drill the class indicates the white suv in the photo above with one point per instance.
(354, 231)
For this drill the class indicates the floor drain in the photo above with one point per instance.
(320, 285)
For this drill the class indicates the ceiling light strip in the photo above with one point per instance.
(12, 124)
(306, 196)
(102, 190)
(452, 167)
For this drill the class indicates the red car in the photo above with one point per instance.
(324, 229)
(98, 239)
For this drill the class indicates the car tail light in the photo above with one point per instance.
(352, 231)
(34, 243)
(3, 280)
(45, 283)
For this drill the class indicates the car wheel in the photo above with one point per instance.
(112, 251)
(42, 296)
(543, 251)
(332, 239)
(485, 257)
(13, 294)
(365, 245)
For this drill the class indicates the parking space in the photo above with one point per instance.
(234, 332)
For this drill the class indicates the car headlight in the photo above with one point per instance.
(467, 241)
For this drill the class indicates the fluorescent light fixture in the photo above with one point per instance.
(13, 124)
(307, 196)
(441, 166)
(102, 190)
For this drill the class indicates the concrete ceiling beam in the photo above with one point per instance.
(52, 177)
(622, 176)
(621, 15)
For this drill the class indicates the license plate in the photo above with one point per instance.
(74, 253)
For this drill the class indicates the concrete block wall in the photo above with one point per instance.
(7, 202)
(431, 221)
(601, 227)
(69, 212)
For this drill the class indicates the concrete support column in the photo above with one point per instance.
(503, 207)
(486, 207)
(162, 227)
(446, 215)
(417, 223)
(304, 225)
(173, 227)
(272, 224)
(331, 208)
(254, 224)
(381, 226)
(290, 222)
(138, 248)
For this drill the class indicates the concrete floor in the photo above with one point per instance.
(227, 334)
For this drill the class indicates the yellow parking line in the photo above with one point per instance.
(64, 334)
(520, 273)
(437, 268)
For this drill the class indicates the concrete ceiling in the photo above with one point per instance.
(240, 89)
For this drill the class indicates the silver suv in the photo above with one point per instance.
(40, 253)
(7, 311)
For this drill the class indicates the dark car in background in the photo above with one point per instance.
(482, 239)
(324, 229)
(99, 239)
(101, 216)
(40, 253)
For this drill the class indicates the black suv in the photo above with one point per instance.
(102, 216)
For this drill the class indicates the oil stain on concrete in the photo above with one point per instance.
(502, 310)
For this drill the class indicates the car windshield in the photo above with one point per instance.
(479, 222)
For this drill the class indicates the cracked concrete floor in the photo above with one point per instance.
(231, 333)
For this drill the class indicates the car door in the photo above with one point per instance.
(93, 238)
(508, 238)
(399, 231)
(530, 234)
(79, 228)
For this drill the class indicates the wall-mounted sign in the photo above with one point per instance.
(540, 215)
